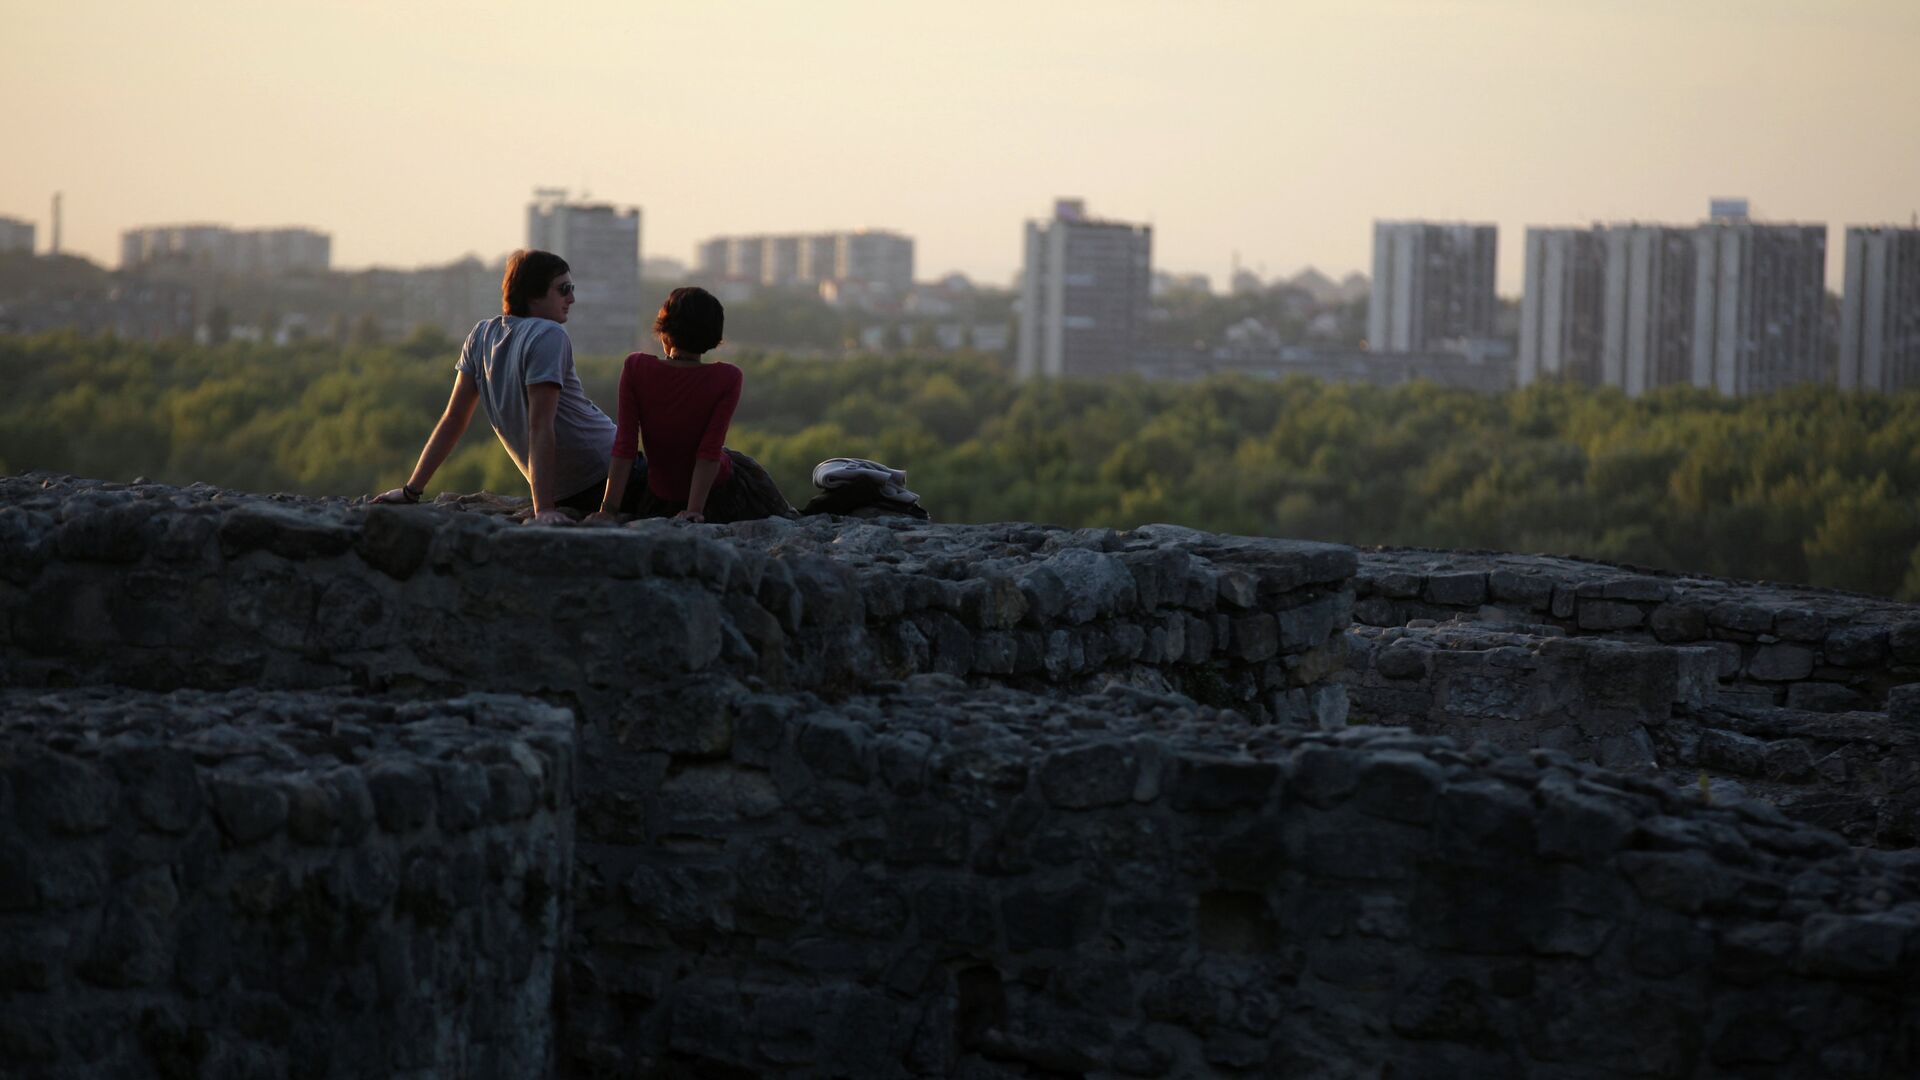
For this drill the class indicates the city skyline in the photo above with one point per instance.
(1279, 132)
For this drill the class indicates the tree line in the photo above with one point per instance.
(1808, 485)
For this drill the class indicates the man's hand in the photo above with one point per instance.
(689, 515)
(399, 496)
(601, 517)
(550, 517)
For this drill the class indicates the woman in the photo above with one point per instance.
(680, 405)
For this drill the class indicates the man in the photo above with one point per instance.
(520, 365)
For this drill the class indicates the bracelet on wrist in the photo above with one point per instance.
(412, 494)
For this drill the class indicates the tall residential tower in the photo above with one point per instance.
(1083, 294)
(1728, 305)
(1880, 312)
(601, 244)
(1432, 285)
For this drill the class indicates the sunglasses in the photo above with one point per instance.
(565, 288)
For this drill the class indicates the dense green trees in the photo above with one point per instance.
(1807, 485)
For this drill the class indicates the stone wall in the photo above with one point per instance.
(1810, 649)
(280, 884)
(940, 880)
(893, 799)
(1525, 687)
(1642, 707)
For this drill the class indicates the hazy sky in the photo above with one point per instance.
(414, 130)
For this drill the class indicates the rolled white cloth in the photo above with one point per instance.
(839, 472)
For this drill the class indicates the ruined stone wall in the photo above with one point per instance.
(908, 800)
(940, 880)
(280, 884)
(1809, 649)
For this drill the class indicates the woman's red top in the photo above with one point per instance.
(681, 413)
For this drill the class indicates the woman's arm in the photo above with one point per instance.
(704, 471)
(619, 471)
(446, 435)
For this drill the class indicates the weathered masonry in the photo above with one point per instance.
(417, 791)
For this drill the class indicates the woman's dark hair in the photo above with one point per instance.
(529, 275)
(691, 320)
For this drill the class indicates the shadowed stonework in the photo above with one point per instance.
(872, 799)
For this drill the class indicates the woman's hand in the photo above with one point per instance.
(550, 517)
(399, 496)
(689, 515)
(601, 517)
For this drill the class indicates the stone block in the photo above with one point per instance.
(1856, 646)
(1855, 946)
(1307, 625)
(1740, 618)
(1254, 638)
(715, 794)
(1904, 640)
(1399, 786)
(250, 810)
(1103, 774)
(1216, 783)
(1563, 603)
(1456, 589)
(1530, 591)
(1684, 881)
(1825, 697)
(1034, 918)
(1637, 588)
(1799, 624)
(396, 540)
(1397, 584)
(1903, 707)
(1577, 826)
(1781, 663)
(1595, 614)
(289, 532)
(1678, 623)
(403, 795)
(161, 784)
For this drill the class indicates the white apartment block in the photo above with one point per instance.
(873, 262)
(1561, 305)
(601, 244)
(1728, 305)
(16, 236)
(1433, 284)
(1880, 310)
(219, 249)
(1084, 294)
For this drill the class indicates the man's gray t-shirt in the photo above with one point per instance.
(508, 353)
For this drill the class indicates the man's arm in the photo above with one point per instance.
(446, 435)
(543, 403)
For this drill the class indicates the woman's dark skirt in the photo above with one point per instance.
(748, 494)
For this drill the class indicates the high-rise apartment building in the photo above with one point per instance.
(1561, 306)
(218, 249)
(16, 235)
(1880, 310)
(1760, 293)
(1729, 305)
(875, 260)
(1433, 285)
(601, 244)
(1083, 294)
(1648, 315)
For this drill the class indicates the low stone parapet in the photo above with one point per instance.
(1812, 649)
(281, 884)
